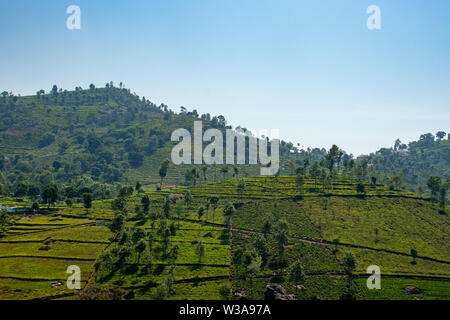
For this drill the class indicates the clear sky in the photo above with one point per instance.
(309, 68)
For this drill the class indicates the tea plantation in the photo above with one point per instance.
(228, 240)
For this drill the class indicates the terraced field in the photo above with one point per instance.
(223, 254)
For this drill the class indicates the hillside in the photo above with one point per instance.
(228, 240)
(417, 161)
(97, 140)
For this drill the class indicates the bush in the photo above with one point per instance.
(224, 292)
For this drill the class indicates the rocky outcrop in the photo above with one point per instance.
(276, 292)
(412, 290)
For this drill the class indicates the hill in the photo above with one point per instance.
(97, 140)
(417, 161)
(228, 240)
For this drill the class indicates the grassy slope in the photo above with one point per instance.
(403, 219)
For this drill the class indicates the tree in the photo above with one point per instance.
(138, 234)
(200, 212)
(163, 290)
(200, 250)
(414, 255)
(376, 231)
(260, 244)
(135, 159)
(434, 184)
(224, 292)
(192, 175)
(204, 169)
(300, 181)
(21, 189)
(138, 186)
(267, 227)
(296, 273)
(35, 207)
(440, 135)
(117, 223)
(397, 180)
(314, 171)
(141, 246)
(281, 236)
(54, 90)
(228, 212)
(214, 203)
(349, 262)
(224, 170)
(292, 166)
(104, 262)
(240, 186)
(87, 200)
(336, 242)
(360, 188)
(397, 144)
(188, 198)
(150, 242)
(163, 171)
(166, 208)
(145, 201)
(125, 192)
(252, 270)
(173, 254)
(333, 157)
(119, 204)
(235, 171)
(4, 218)
(50, 194)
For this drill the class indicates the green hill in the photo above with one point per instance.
(222, 233)
(416, 161)
(173, 252)
(98, 139)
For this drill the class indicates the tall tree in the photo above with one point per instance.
(200, 250)
(145, 201)
(333, 157)
(204, 169)
(434, 184)
(50, 194)
(87, 200)
(440, 135)
(141, 246)
(163, 171)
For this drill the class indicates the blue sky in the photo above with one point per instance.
(309, 68)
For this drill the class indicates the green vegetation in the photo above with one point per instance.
(89, 168)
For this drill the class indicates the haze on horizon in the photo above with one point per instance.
(312, 70)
